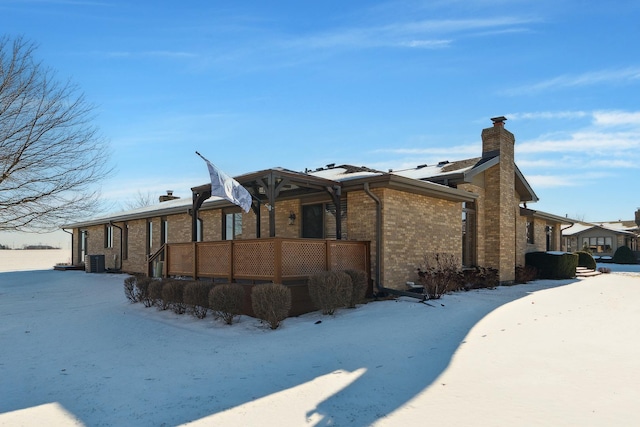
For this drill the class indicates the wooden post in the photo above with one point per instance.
(277, 267)
(194, 248)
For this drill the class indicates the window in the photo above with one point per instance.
(319, 221)
(313, 221)
(468, 234)
(108, 236)
(232, 225)
(598, 245)
(530, 232)
(164, 230)
(84, 235)
(149, 236)
(125, 241)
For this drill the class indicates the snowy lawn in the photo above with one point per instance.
(74, 351)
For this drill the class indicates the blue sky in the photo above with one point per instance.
(386, 84)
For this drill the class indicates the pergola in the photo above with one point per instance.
(266, 187)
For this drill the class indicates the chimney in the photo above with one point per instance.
(168, 196)
(638, 217)
(497, 140)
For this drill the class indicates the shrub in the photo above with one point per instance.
(624, 255)
(196, 298)
(226, 301)
(439, 275)
(173, 294)
(130, 289)
(553, 266)
(604, 270)
(330, 290)
(479, 277)
(585, 259)
(155, 294)
(526, 274)
(142, 289)
(358, 287)
(271, 303)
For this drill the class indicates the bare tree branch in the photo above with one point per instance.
(51, 156)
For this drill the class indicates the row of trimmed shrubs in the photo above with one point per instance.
(271, 302)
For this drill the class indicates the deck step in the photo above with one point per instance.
(586, 272)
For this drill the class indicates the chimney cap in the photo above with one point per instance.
(498, 121)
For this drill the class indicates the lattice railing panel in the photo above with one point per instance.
(180, 259)
(214, 259)
(254, 258)
(303, 258)
(345, 256)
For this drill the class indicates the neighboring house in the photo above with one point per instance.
(338, 217)
(602, 239)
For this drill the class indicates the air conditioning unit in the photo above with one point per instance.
(94, 263)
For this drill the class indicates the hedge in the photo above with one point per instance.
(553, 266)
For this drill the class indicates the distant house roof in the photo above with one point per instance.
(581, 227)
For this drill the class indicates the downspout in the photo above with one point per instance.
(71, 233)
(121, 247)
(379, 287)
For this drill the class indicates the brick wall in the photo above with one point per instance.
(412, 226)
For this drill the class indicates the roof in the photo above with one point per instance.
(547, 216)
(464, 170)
(582, 227)
(297, 183)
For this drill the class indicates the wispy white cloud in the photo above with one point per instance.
(459, 151)
(616, 118)
(617, 76)
(585, 141)
(548, 115)
(410, 34)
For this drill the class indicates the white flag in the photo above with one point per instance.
(224, 186)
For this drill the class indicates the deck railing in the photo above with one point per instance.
(270, 259)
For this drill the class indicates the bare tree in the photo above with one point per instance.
(140, 200)
(51, 156)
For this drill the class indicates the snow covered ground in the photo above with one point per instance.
(73, 351)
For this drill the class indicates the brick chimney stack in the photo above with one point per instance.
(168, 196)
(497, 140)
(501, 202)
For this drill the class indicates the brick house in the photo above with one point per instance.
(475, 209)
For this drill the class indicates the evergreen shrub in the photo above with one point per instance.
(271, 302)
(624, 255)
(552, 266)
(226, 301)
(330, 290)
(585, 259)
